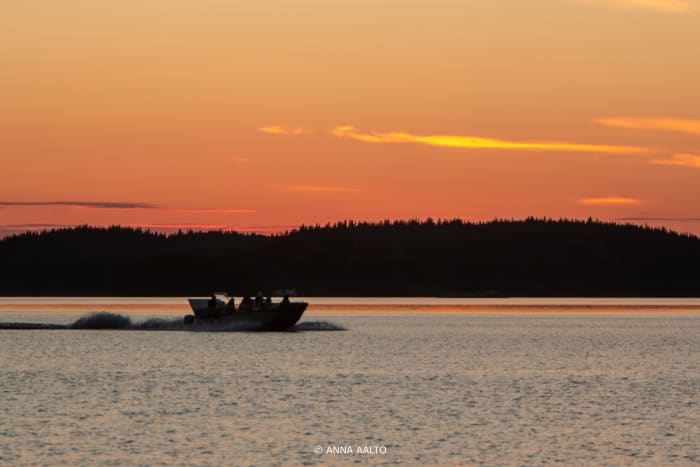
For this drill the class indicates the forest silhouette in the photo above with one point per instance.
(531, 257)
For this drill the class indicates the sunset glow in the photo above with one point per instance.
(258, 116)
(669, 124)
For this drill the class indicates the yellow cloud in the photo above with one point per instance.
(475, 142)
(671, 6)
(684, 160)
(609, 201)
(672, 124)
(281, 130)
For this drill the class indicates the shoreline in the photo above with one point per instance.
(372, 309)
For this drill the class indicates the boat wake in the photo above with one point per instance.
(318, 326)
(114, 321)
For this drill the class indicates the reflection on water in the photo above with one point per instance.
(433, 388)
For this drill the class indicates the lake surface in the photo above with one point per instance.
(414, 381)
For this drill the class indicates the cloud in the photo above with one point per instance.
(33, 226)
(212, 210)
(204, 227)
(475, 142)
(281, 130)
(79, 204)
(609, 201)
(12, 229)
(318, 189)
(683, 160)
(668, 6)
(660, 219)
(119, 205)
(266, 229)
(27, 227)
(671, 124)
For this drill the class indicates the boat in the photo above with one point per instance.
(260, 313)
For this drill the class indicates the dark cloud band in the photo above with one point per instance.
(80, 204)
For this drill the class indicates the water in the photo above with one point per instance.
(425, 381)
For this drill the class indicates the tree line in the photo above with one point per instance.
(531, 257)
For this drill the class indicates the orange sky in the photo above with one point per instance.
(269, 114)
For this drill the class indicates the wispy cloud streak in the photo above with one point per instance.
(33, 226)
(205, 227)
(12, 229)
(119, 206)
(317, 189)
(609, 201)
(212, 210)
(659, 219)
(80, 204)
(475, 142)
(281, 130)
(669, 124)
(682, 160)
(668, 6)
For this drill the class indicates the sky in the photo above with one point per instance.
(262, 116)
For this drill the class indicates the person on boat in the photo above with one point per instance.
(259, 298)
(212, 301)
(285, 300)
(231, 305)
(268, 301)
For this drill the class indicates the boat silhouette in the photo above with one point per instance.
(256, 314)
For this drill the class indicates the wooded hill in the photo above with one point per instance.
(533, 257)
